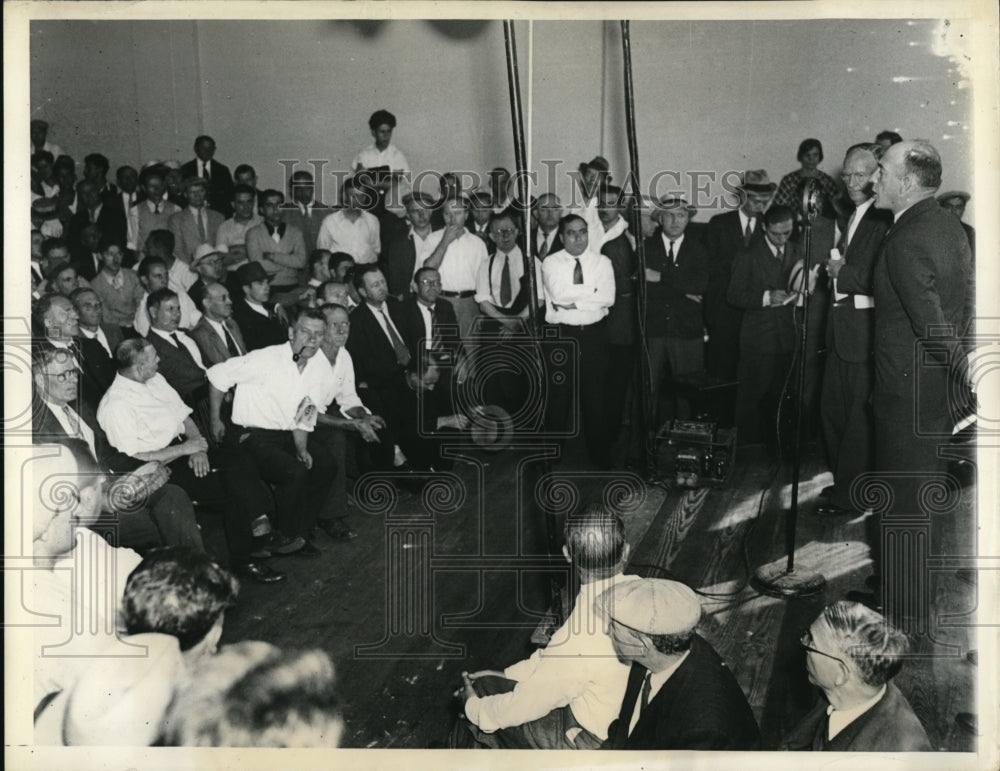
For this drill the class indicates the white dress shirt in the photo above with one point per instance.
(344, 391)
(141, 417)
(127, 200)
(578, 667)
(270, 387)
(189, 313)
(744, 219)
(592, 298)
(424, 247)
(460, 267)
(385, 321)
(180, 277)
(676, 242)
(488, 282)
(861, 301)
(187, 342)
(542, 238)
(359, 238)
(372, 158)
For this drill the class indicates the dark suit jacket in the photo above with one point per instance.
(111, 221)
(668, 312)
(258, 332)
(756, 270)
(850, 331)
(889, 726)
(213, 350)
(83, 261)
(292, 214)
(179, 369)
(374, 358)
(410, 321)
(922, 286)
(98, 369)
(220, 186)
(723, 238)
(399, 258)
(700, 707)
(621, 321)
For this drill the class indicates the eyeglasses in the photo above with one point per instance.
(806, 642)
(433, 281)
(62, 377)
(505, 231)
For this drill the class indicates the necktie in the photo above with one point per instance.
(231, 344)
(647, 686)
(118, 281)
(505, 290)
(402, 352)
(543, 247)
(205, 172)
(434, 342)
(578, 272)
(156, 208)
(847, 232)
(671, 255)
(182, 348)
(748, 233)
(74, 420)
(202, 234)
(781, 253)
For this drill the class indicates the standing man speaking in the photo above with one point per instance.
(922, 287)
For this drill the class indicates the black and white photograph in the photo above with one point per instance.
(442, 377)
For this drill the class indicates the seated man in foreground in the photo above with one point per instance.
(680, 695)
(852, 654)
(564, 695)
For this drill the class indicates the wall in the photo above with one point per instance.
(711, 96)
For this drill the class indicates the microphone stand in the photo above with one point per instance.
(772, 579)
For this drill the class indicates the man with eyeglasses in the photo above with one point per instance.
(852, 654)
(425, 317)
(849, 372)
(154, 513)
(680, 694)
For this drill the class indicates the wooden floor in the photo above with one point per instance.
(458, 579)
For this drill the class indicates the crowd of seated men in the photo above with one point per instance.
(209, 345)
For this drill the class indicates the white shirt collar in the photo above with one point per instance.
(166, 335)
(677, 243)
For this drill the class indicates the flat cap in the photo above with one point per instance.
(249, 272)
(652, 606)
(598, 163)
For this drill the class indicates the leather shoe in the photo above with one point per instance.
(259, 572)
(308, 549)
(826, 492)
(829, 510)
(261, 547)
(285, 544)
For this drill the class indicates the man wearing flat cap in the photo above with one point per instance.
(260, 320)
(680, 693)
(196, 224)
(590, 177)
(726, 235)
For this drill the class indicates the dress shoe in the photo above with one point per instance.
(308, 549)
(284, 544)
(826, 492)
(259, 572)
(829, 510)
